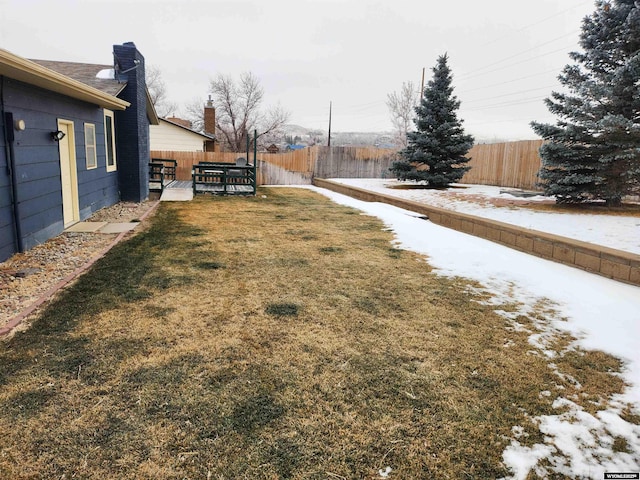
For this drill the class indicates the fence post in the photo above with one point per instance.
(255, 161)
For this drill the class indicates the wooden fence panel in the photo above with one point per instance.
(301, 161)
(511, 164)
(354, 162)
(271, 174)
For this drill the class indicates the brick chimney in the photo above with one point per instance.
(209, 124)
(132, 125)
(209, 118)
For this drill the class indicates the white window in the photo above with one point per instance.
(110, 140)
(90, 145)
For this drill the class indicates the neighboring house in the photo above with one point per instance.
(172, 136)
(292, 147)
(180, 121)
(74, 139)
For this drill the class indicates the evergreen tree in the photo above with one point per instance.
(593, 152)
(436, 151)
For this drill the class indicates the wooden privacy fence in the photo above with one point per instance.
(511, 164)
(354, 162)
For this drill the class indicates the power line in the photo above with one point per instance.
(491, 122)
(479, 72)
(509, 81)
(472, 74)
(506, 104)
(581, 4)
(363, 107)
(467, 102)
(520, 62)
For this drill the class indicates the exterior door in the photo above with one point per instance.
(68, 174)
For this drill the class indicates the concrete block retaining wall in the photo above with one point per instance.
(608, 262)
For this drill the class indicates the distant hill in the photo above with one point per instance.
(338, 139)
(356, 139)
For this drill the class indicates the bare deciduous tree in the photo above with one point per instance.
(402, 109)
(194, 111)
(238, 111)
(158, 91)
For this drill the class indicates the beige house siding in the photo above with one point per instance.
(167, 136)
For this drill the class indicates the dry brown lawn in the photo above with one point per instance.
(279, 336)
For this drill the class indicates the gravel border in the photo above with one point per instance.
(29, 279)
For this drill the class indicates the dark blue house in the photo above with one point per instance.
(74, 138)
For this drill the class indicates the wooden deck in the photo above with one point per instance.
(228, 189)
(181, 184)
(232, 189)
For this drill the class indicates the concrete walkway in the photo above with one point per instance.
(178, 191)
(102, 227)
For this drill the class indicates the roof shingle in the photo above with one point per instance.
(85, 73)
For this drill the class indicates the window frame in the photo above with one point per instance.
(110, 141)
(90, 147)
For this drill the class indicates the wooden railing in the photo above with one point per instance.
(170, 166)
(156, 176)
(223, 178)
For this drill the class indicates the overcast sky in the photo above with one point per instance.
(505, 55)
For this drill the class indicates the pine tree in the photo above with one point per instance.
(436, 151)
(593, 152)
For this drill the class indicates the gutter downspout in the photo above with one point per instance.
(8, 136)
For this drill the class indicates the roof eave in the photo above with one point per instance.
(205, 135)
(26, 71)
(151, 110)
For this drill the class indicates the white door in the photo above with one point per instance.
(68, 174)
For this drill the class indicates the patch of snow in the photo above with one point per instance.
(619, 232)
(384, 473)
(577, 444)
(523, 459)
(518, 431)
(600, 313)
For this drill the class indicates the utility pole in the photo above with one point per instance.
(422, 86)
(329, 141)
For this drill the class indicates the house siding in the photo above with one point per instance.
(6, 239)
(166, 136)
(37, 164)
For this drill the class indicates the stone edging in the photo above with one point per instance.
(608, 262)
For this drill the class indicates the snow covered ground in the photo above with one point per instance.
(600, 313)
(611, 231)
